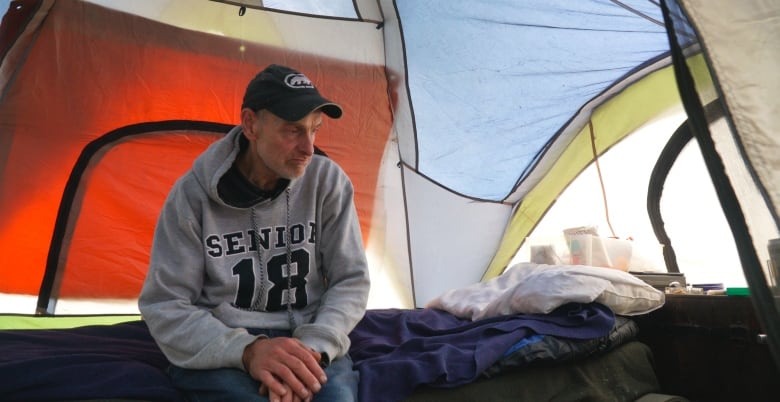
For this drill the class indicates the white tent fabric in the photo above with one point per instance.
(749, 89)
(497, 92)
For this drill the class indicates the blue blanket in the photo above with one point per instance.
(91, 362)
(396, 350)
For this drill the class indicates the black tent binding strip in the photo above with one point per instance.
(761, 295)
(52, 276)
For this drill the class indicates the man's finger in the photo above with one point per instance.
(272, 384)
(310, 361)
(302, 371)
(287, 397)
(280, 362)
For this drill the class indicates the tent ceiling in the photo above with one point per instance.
(498, 79)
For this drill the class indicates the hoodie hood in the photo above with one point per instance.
(210, 167)
(215, 161)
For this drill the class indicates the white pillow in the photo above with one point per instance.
(538, 288)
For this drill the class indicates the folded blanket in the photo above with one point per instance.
(548, 350)
(396, 351)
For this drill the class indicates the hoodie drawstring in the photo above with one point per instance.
(261, 294)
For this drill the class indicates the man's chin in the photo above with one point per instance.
(296, 170)
(293, 174)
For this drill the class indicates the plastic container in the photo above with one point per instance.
(586, 249)
(619, 252)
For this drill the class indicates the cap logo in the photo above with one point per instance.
(297, 81)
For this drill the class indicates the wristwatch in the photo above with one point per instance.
(324, 360)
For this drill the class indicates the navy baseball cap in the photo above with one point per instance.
(286, 93)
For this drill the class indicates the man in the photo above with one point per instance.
(258, 271)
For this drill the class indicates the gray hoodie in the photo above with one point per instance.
(207, 281)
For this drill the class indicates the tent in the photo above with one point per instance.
(465, 122)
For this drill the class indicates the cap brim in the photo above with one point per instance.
(298, 107)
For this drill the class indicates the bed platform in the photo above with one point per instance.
(535, 333)
(121, 361)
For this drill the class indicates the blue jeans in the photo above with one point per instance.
(228, 384)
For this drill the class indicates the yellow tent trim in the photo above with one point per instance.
(614, 120)
(14, 321)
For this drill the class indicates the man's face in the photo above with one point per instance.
(278, 148)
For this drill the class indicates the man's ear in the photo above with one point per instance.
(248, 118)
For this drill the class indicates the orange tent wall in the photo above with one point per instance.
(108, 249)
(90, 71)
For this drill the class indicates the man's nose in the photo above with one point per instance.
(307, 143)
